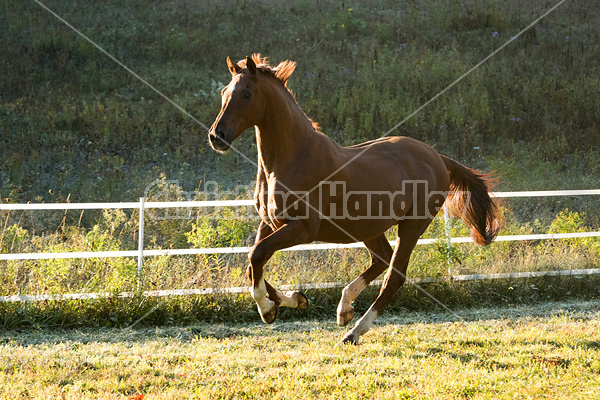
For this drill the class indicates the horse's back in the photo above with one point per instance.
(377, 184)
(398, 158)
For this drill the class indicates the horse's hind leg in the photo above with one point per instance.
(409, 232)
(381, 253)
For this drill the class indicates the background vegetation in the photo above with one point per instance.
(76, 122)
(77, 127)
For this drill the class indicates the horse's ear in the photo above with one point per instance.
(233, 67)
(284, 70)
(250, 65)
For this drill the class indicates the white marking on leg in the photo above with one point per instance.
(363, 324)
(259, 294)
(349, 294)
(288, 299)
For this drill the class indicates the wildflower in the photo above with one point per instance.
(495, 34)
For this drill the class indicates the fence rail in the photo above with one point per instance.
(238, 203)
(305, 286)
(237, 250)
(143, 205)
(140, 253)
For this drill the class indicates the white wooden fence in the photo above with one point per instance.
(140, 253)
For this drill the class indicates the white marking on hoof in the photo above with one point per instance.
(301, 300)
(293, 300)
(259, 294)
(344, 315)
(345, 310)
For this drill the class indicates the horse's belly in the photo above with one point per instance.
(347, 231)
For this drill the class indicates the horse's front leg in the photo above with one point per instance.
(267, 297)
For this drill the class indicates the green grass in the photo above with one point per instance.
(544, 351)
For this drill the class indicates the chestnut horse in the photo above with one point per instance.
(309, 188)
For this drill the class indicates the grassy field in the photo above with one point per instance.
(549, 351)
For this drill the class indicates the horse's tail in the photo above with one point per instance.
(469, 198)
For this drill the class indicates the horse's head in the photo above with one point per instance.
(240, 107)
(243, 101)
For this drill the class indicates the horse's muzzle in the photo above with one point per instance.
(218, 140)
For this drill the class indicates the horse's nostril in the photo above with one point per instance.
(216, 136)
(218, 140)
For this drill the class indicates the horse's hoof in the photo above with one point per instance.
(345, 316)
(271, 315)
(350, 339)
(302, 300)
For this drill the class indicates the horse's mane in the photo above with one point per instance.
(280, 73)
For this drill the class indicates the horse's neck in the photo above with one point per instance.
(284, 134)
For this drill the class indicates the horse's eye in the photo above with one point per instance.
(246, 95)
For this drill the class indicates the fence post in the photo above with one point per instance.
(141, 242)
(448, 240)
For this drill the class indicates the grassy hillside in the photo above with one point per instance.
(75, 122)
